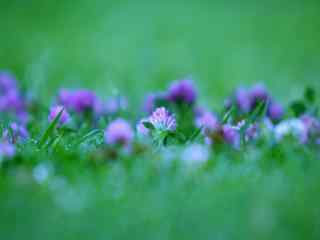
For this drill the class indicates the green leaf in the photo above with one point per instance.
(298, 108)
(195, 134)
(259, 112)
(50, 130)
(148, 125)
(310, 95)
(88, 136)
(228, 114)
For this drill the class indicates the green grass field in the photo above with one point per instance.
(138, 46)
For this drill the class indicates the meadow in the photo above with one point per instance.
(70, 182)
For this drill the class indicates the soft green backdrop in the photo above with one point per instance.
(139, 46)
(135, 46)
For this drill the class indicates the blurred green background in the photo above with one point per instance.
(138, 46)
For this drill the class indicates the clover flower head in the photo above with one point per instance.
(7, 150)
(182, 92)
(275, 111)
(259, 93)
(231, 135)
(141, 129)
(208, 121)
(243, 100)
(15, 132)
(55, 110)
(292, 127)
(7, 83)
(78, 100)
(162, 120)
(119, 132)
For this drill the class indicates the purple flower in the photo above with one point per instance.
(243, 100)
(65, 98)
(119, 132)
(55, 110)
(83, 100)
(275, 111)
(252, 132)
(208, 121)
(7, 150)
(78, 100)
(15, 133)
(231, 135)
(182, 92)
(162, 120)
(7, 83)
(141, 129)
(149, 103)
(259, 93)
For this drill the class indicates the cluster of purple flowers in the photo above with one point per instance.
(86, 101)
(79, 100)
(14, 133)
(215, 132)
(165, 117)
(246, 101)
(11, 99)
(179, 92)
(119, 132)
(54, 112)
(161, 120)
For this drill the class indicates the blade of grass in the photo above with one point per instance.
(228, 114)
(50, 129)
(88, 136)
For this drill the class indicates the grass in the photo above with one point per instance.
(137, 46)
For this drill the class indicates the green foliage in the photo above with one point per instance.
(134, 46)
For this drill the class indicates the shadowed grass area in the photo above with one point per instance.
(140, 46)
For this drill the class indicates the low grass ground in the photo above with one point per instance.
(138, 46)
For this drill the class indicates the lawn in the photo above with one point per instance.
(131, 48)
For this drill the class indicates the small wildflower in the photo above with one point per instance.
(292, 127)
(231, 135)
(119, 132)
(78, 100)
(162, 120)
(252, 132)
(7, 83)
(259, 93)
(208, 121)
(182, 92)
(275, 111)
(15, 133)
(141, 129)
(7, 150)
(243, 100)
(54, 111)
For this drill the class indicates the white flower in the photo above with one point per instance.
(293, 127)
